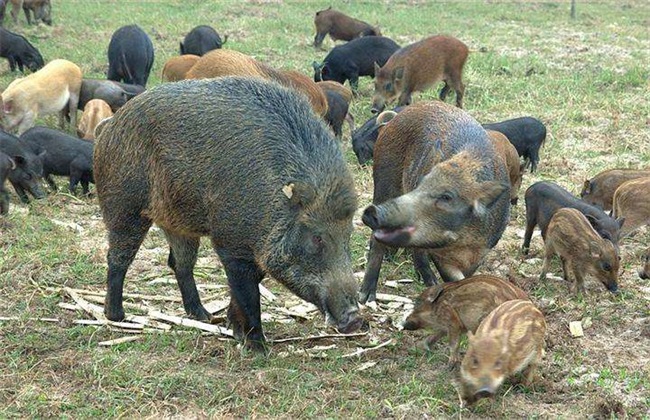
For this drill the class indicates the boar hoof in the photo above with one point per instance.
(256, 346)
(114, 314)
(200, 313)
(365, 297)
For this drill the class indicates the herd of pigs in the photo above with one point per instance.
(228, 148)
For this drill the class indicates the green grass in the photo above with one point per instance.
(586, 79)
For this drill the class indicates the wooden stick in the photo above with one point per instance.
(125, 325)
(129, 305)
(120, 340)
(126, 295)
(92, 309)
(318, 337)
(186, 322)
(267, 294)
(361, 351)
(143, 320)
(68, 306)
(15, 318)
(383, 297)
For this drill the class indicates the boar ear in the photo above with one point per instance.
(377, 68)
(594, 249)
(316, 65)
(18, 161)
(384, 118)
(8, 106)
(299, 193)
(398, 73)
(435, 294)
(586, 187)
(490, 192)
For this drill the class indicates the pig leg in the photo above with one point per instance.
(459, 88)
(75, 177)
(531, 221)
(318, 39)
(12, 63)
(444, 91)
(580, 281)
(354, 82)
(182, 258)
(375, 258)
(51, 183)
(547, 262)
(124, 239)
(350, 119)
(565, 270)
(244, 313)
(71, 110)
(423, 268)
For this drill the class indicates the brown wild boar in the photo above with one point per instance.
(42, 10)
(439, 188)
(95, 111)
(644, 273)
(581, 250)
(219, 63)
(632, 202)
(177, 67)
(508, 341)
(457, 307)
(418, 67)
(340, 26)
(54, 88)
(510, 157)
(337, 87)
(599, 190)
(346, 94)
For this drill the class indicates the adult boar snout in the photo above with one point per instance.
(372, 217)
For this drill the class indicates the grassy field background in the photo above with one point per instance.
(587, 79)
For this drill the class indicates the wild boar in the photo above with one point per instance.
(340, 26)
(418, 67)
(42, 10)
(508, 153)
(130, 56)
(354, 59)
(527, 134)
(581, 249)
(7, 165)
(200, 40)
(363, 139)
(508, 341)
(26, 171)
(599, 190)
(338, 105)
(19, 52)
(115, 94)
(632, 203)
(644, 273)
(95, 111)
(439, 189)
(177, 67)
(544, 198)
(457, 307)
(54, 88)
(219, 63)
(290, 202)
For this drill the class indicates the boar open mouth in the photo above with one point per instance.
(399, 236)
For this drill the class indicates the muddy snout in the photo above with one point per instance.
(353, 322)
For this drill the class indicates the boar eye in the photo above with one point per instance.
(607, 266)
(474, 362)
(446, 197)
(389, 86)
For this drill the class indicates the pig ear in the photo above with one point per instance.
(316, 65)
(377, 68)
(435, 294)
(18, 161)
(384, 118)
(398, 73)
(586, 187)
(490, 192)
(299, 193)
(8, 106)
(594, 249)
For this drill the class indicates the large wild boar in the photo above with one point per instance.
(354, 59)
(599, 190)
(200, 40)
(457, 307)
(219, 63)
(26, 171)
(254, 170)
(508, 341)
(508, 153)
(581, 250)
(644, 273)
(418, 67)
(440, 189)
(544, 198)
(130, 56)
(176, 68)
(340, 26)
(527, 134)
(19, 52)
(54, 88)
(632, 203)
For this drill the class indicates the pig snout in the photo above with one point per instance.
(378, 105)
(612, 287)
(372, 216)
(390, 227)
(643, 275)
(352, 322)
(484, 392)
(410, 324)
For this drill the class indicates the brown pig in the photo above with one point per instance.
(95, 111)
(632, 202)
(581, 249)
(456, 307)
(418, 67)
(219, 63)
(510, 157)
(439, 188)
(340, 26)
(337, 108)
(508, 341)
(644, 273)
(177, 67)
(599, 190)
(54, 88)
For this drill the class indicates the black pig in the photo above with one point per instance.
(252, 168)
(19, 52)
(28, 172)
(337, 109)
(200, 40)
(130, 56)
(64, 156)
(115, 94)
(364, 138)
(527, 134)
(544, 198)
(355, 58)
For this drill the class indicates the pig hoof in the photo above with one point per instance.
(114, 314)
(256, 346)
(200, 314)
(365, 297)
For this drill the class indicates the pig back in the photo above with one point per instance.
(218, 168)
